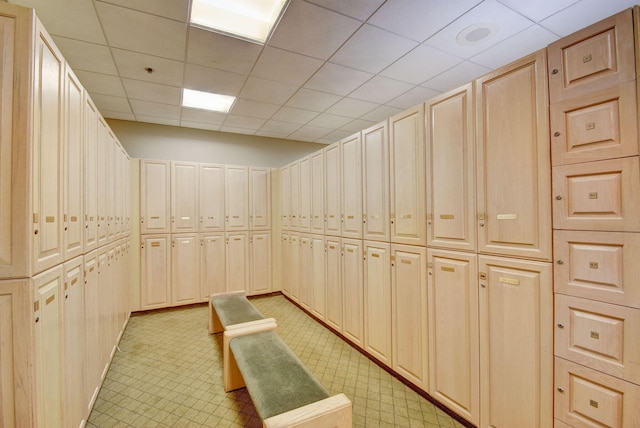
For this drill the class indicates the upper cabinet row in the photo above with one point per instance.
(182, 197)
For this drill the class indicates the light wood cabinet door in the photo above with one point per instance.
(237, 261)
(317, 192)
(285, 192)
(334, 283)
(597, 195)
(516, 343)
(305, 292)
(332, 189)
(294, 266)
(184, 197)
(212, 264)
(304, 211)
(318, 276)
(103, 220)
(260, 259)
(46, 153)
(409, 313)
(377, 301)
(154, 196)
(351, 173)
(212, 198)
(512, 137)
(286, 263)
(451, 177)
(156, 271)
(375, 180)
(353, 291)
(260, 198)
(110, 180)
(454, 351)
(237, 198)
(91, 330)
(294, 201)
(407, 177)
(90, 175)
(185, 269)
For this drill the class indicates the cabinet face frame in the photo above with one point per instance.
(260, 259)
(212, 197)
(351, 179)
(317, 192)
(375, 182)
(185, 192)
(155, 192)
(377, 301)
(259, 198)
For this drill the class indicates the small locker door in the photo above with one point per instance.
(294, 266)
(353, 291)
(260, 259)
(237, 261)
(304, 212)
(101, 194)
(184, 197)
(212, 264)
(294, 202)
(333, 188)
(90, 175)
(285, 194)
(212, 198)
(318, 276)
(154, 196)
(377, 301)
(156, 271)
(237, 198)
(305, 292)
(285, 266)
(351, 167)
(91, 330)
(375, 180)
(317, 192)
(334, 283)
(185, 269)
(260, 197)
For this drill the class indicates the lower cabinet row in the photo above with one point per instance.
(180, 269)
(473, 331)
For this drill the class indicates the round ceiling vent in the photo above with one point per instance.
(477, 33)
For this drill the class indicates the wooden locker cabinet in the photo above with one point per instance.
(237, 198)
(318, 276)
(597, 195)
(285, 202)
(212, 197)
(294, 201)
(451, 177)
(407, 177)
(101, 193)
(92, 330)
(305, 292)
(586, 398)
(304, 194)
(333, 278)
(155, 196)
(513, 160)
(353, 291)
(110, 160)
(184, 197)
(286, 263)
(90, 170)
(377, 301)
(454, 352)
(317, 192)
(332, 189)
(212, 264)
(294, 266)
(599, 56)
(351, 173)
(260, 259)
(260, 198)
(516, 342)
(185, 269)
(155, 273)
(237, 256)
(409, 313)
(375, 180)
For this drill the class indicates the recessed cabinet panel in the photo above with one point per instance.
(237, 261)
(317, 192)
(294, 266)
(286, 265)
(156, 271)
(334, 283)
(353, 291)
(305, 292)
(332, 189)
(260, 259)
(285, 202)
(212, 198)
(375, 179)
(598, 265)
(185, 269)
(597, 195)
(212, 264)
(351, 165)
(260, 198)
(92, 330)
(103, 220)
(184, 197)
(318, 275)
(154, 196)
(294, 202)
(304, 211)
(377, 301)
(237, 198)
(451, 204)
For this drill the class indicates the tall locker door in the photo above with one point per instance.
(407, 177)
(451, 177)
(211, 202)
(154, 196)
(305, 292)
(304, 211)
(285, 191)
(294, 201)
(212, 264)
(237, 198)
(351, 168)
(102, 173)
(90, 175)
(375, 179)
(260, 198)
(334, 283)
(377, 301)
(514, 166)
(353, 291)
(105, 292)
(91, 330)
(110, 180)
(260, 259)
(48, 346)
(294, 266)
(156, 272)
(237, 261)
(453, 331)
(516, 343)
(118, 190)
(409, 313)
(46, 154)
(332, 190)
(127, 196)
(286, 264)
(185, 269)
(317, 192)
(318, 276)
(72, 157)
(73, 329)
(184, 197)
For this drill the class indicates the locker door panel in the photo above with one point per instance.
(237, 198)
(154, 196)
(317, 192)
(260, 197)
(184, 197)
(90, 175)
(353, 291)
(185, 269)
(377, 301)
(334, 283)
(285, 192)
(286, 264)
(332, 182)
(351, 164)
(212, 197)
(294, 266)
(318, 276)
(101, 194)
(213, 265)
(92, 330)
(237, 261)
(304, 212)
(294, 202)
(305, 292)
(156, 271)
(260, 263)
(375, 179)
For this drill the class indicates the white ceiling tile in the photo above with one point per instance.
(117, 115)
(309, 133)
(111, 103)
(517, 46)
(357, 125)
(174, 9)
(221, 52)
(326, 120)
(254, 108)
(211, 80)
(141, 32)
(279, 126)
(235, 130)
(488, 12)
(380, 90)
(282, 66)
(86, 56)
(334, 137)
(372, 49)
(584, 13)
(243, 122)
(312, 100)
(336, 79)
(419, 19)
(539, 9)
(413, 97)
(454, 77)
(294, 115)
(358, 9)
(97, 83)
(146, 108)
(132, 65)
(199, 125)
(146, 91)
(271, 134)
(202, 116)
(381, 113)
(267, 90)
(158, 120)
(420, 64)
(311, 30)
(350, 107)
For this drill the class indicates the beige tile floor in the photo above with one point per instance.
(168, 373)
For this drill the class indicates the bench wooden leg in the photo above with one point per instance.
(334, 411)
(215, 326)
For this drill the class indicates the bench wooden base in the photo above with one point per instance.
(334, 411)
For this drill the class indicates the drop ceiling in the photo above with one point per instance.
(331, 67)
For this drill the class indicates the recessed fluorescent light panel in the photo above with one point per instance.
(207, 100)
(252, 20)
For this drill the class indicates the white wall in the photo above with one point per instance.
(151, 141)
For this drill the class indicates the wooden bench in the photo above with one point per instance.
(232, 310)
(284, 392)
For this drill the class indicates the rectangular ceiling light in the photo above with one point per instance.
(252, 20)
(207, 100)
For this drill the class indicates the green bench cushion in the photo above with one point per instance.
(235, 309)
(275, 378)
